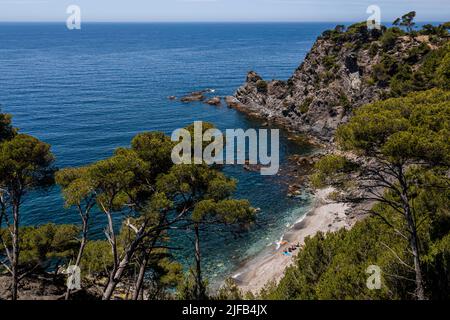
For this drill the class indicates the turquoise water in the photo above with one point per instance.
(87, 92)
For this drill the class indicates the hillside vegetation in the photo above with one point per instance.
(393, 151)
(408, 141)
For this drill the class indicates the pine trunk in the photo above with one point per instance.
(199, 290)
(15, 253)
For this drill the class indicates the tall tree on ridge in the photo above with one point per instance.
(204, 195)
(77, 193)
(407, 21)
(25, 165)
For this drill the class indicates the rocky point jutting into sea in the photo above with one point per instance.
(337, 76)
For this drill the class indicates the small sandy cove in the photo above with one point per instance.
(326, 216)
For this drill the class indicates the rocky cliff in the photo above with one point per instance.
(344, 70)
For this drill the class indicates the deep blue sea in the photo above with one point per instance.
(88, 91)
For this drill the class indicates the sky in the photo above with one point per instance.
(220, 10)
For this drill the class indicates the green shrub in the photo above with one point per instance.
(370, 81)
(439, 31)
(344, 101)
(97, 258)
(326, 77)
(328, 167)
(373, 49)
(42, 246)
(443, 73)
(329, 62)
(304, 107)
(389, 38)
(349, 45)
(384, 71)
(416, 54)
(261, 86)
(358, 30)
(431, 72)
(402, 82)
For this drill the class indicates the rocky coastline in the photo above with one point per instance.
(334, 79)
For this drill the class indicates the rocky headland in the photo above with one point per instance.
(343, 70)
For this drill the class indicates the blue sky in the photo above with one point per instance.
(220, 10)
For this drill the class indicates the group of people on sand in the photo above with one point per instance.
(291, 249)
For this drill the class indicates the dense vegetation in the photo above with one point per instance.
(423, 67)
(139, 186)
(408, 235)
(397, 151)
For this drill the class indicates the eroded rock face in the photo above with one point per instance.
(232, 102)
(334, 79)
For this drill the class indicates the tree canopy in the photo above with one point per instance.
(25, 162)
(6, 129)
(404, 156)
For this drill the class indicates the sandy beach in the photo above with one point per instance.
(269, 265)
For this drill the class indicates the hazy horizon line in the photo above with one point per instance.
(207, 21)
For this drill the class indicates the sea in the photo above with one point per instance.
(89, 91)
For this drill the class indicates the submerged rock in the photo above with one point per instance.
(194, 96)
(215, 101)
